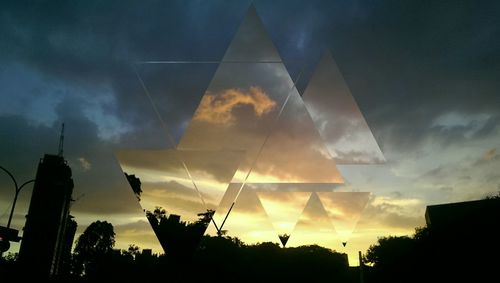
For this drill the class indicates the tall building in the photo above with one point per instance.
(48, 223)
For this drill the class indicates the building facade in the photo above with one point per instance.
(45, 238)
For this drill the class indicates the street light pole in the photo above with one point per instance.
(18, 189)
(15, 200)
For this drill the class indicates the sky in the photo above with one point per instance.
(423, 74)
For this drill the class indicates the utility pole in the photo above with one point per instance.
(18, 189)
(361, 268)
(6, 233)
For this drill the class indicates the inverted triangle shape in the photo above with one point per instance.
(344, 210)
(284, 210)
(166, 186)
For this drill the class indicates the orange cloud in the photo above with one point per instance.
(218, 108)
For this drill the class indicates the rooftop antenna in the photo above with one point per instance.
(61, 141)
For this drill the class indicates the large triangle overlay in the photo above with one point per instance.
(173, 205)
(243, 99)
(250, 128)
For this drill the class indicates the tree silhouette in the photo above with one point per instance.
(96, 242)
(158, 214)
(389, 251)
(495, 196)
(135, 184)
(133, 251)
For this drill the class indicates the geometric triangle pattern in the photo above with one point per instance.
(247, 132)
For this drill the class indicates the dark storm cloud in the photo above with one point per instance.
(95, 42)
(409, 61)
(88, 46)
(435, 65)
(405, 62)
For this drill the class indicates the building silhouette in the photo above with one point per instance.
(471, 225)
(465, 221)
(64, 267)
(49, 230)
(464, 240)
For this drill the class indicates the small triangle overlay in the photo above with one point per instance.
(344, 210)
(337, 115)
(283, 210)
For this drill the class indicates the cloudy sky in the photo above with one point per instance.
(424, 75)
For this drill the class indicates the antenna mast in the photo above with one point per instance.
(61, 141)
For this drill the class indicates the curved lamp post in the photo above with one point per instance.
(18, 189)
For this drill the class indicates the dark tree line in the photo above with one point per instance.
(465, 247)
(220, 258)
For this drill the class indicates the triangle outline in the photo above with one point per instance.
(340, 98)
